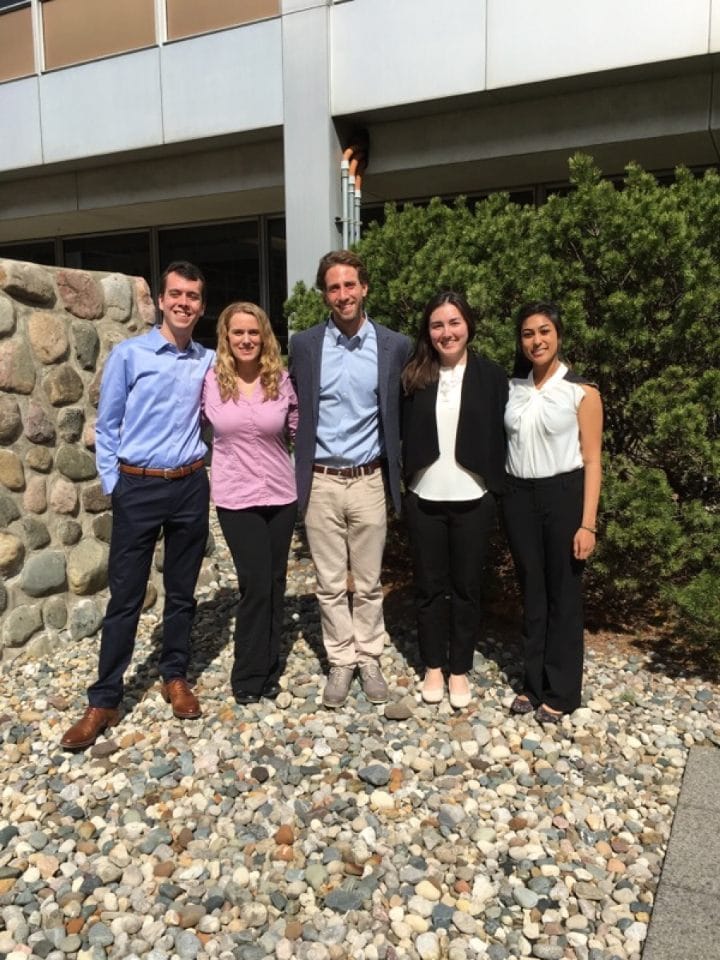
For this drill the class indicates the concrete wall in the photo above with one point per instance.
(192, 89)
(461, 96)
(56, 328)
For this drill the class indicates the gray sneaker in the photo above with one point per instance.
(373, 683)
(337, 686)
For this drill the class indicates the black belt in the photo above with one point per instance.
(163, 473)
(348, 473)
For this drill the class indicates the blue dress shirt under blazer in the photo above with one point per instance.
(305, 363)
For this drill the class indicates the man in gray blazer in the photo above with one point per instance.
(346, 373)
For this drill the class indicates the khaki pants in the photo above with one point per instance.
(346, 521)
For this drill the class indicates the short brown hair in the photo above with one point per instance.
(340, 258)
(187, 270)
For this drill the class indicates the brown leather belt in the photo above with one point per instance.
(170, 473)
(348, 473)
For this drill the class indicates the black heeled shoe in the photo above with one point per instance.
(243, 697)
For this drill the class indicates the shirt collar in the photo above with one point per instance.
(159, 343)
(355, 342)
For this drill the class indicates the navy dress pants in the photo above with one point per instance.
(541, 518)
(449, 541)
(259, 541)
(142, 508)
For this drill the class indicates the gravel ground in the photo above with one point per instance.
(284, 830)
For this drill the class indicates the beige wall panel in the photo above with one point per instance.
(80, 30)
(186, 18)
(16, 44)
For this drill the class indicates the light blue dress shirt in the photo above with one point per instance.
(149, 410)
(348, 430)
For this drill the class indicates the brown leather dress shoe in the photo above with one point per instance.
(185, 704)
(89, 727)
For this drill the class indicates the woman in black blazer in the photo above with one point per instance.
(453, 462)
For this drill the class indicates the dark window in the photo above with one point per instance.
(10, 4)
(228, 255)
(277, 274)
(127, 253)
(35, 252)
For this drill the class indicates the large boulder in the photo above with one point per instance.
(17, 370)
(44, 573)
(27, 282)
(87, 567)
(20, 624)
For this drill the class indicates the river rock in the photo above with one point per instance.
(35, 532)
(10, 422)
(94, 500)
(12, 474)
(75, 463)
(8, 509)
(85, 620)
(12, 553)
(39, 427)
(70, 423)
(7, 316)
(81, 294)
(118, 295)
(63, 496)
(44, 573)
(47, 333)
(17, 370)
(20, 624)
(63, 385)
(39, 458)
(87, 344)
(87, 567)
(35, 496)
(54, 613)
(27, 282)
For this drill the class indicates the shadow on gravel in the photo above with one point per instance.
(211, 632)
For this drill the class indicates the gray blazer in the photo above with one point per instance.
(305, 362)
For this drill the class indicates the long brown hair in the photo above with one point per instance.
(271, 366)
(423, 367)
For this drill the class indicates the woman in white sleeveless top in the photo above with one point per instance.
(553, 422)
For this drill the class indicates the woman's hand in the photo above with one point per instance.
(583, 543)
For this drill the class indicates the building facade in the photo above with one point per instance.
(135, 132)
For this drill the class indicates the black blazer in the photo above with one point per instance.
(480, 441)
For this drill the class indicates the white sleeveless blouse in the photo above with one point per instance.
(542, 427)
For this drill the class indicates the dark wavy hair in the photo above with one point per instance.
(522, 366)
(423, 367)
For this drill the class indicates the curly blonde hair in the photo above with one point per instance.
(271, 367)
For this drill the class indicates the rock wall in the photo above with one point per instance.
(57, 326)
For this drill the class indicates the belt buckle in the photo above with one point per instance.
(166, 473)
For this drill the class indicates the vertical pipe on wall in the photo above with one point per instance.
(38, 35)
(358, 205)
(344, 167)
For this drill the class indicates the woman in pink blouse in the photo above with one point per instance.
(250, 403)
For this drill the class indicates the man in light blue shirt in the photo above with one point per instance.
(347, 450)
(150, 458)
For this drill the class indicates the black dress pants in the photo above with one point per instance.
(142, 507)
(541, 518)
(259, 541)
(449, 541)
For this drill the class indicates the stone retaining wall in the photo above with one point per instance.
(57, 326)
